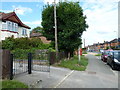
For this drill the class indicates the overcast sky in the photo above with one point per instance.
(102, 16)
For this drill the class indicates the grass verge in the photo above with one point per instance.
(84, 52)
(12, 84)
(98, 55)
(73, 63)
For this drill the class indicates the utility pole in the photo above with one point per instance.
(56, 44)
(84, 43)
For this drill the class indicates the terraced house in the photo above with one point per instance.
(12, 26)
(107, 44)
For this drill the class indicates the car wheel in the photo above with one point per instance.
(103, 60)
(113, 66)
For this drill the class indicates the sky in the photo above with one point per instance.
(102, 16)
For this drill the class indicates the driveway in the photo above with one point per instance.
(97, 75)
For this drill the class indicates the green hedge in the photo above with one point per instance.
(24, 43)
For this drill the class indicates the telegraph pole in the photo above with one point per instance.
(84, 43)
(56, 44)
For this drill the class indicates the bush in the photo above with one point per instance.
(8, 44)
(23, 43)
(22, 53)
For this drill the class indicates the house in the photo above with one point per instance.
(107, 44)
(11, 25)
(39, 35)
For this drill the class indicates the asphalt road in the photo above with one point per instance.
(97, 75)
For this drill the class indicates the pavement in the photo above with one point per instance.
(97, 75)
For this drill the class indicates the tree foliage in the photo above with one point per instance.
(38, 29)
(70, 25)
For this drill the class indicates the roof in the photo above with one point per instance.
(12, 17)
(35, 34)
(114, 40)
(44, 40)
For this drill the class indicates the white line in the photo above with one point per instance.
(64, 79)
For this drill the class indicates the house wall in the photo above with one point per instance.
(17, 34)
(20, 31)
(5, 34)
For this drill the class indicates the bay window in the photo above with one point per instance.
(4, 25)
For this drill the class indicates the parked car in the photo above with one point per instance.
(105, 55)
(114, 59)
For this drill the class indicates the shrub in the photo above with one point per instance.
(23, 43)
(22, 53)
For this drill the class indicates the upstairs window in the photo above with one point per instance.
(4, 25)
(12, 26)
(9, 24)
(16, 27)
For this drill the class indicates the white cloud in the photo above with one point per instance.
(21, 10)
(102, 16)
(37, 22)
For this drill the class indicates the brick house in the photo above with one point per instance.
(105, 45)
(39, 35)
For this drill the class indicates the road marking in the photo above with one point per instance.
(64, 79)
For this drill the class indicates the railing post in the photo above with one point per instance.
(29, 63)
(11, 66)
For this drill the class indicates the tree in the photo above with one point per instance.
(70, 25)
(38, 29)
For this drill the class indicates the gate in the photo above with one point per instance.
(23, 62)
(20, 63)
(40, 61)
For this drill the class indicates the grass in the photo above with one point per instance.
(73, 63)
(10, 84)
(98, 55)
(84, 52)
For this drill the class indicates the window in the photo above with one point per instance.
(4, 25)
(9, 25)
(24, 32)
(13, 28)
(16, 27)
(116, 55)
